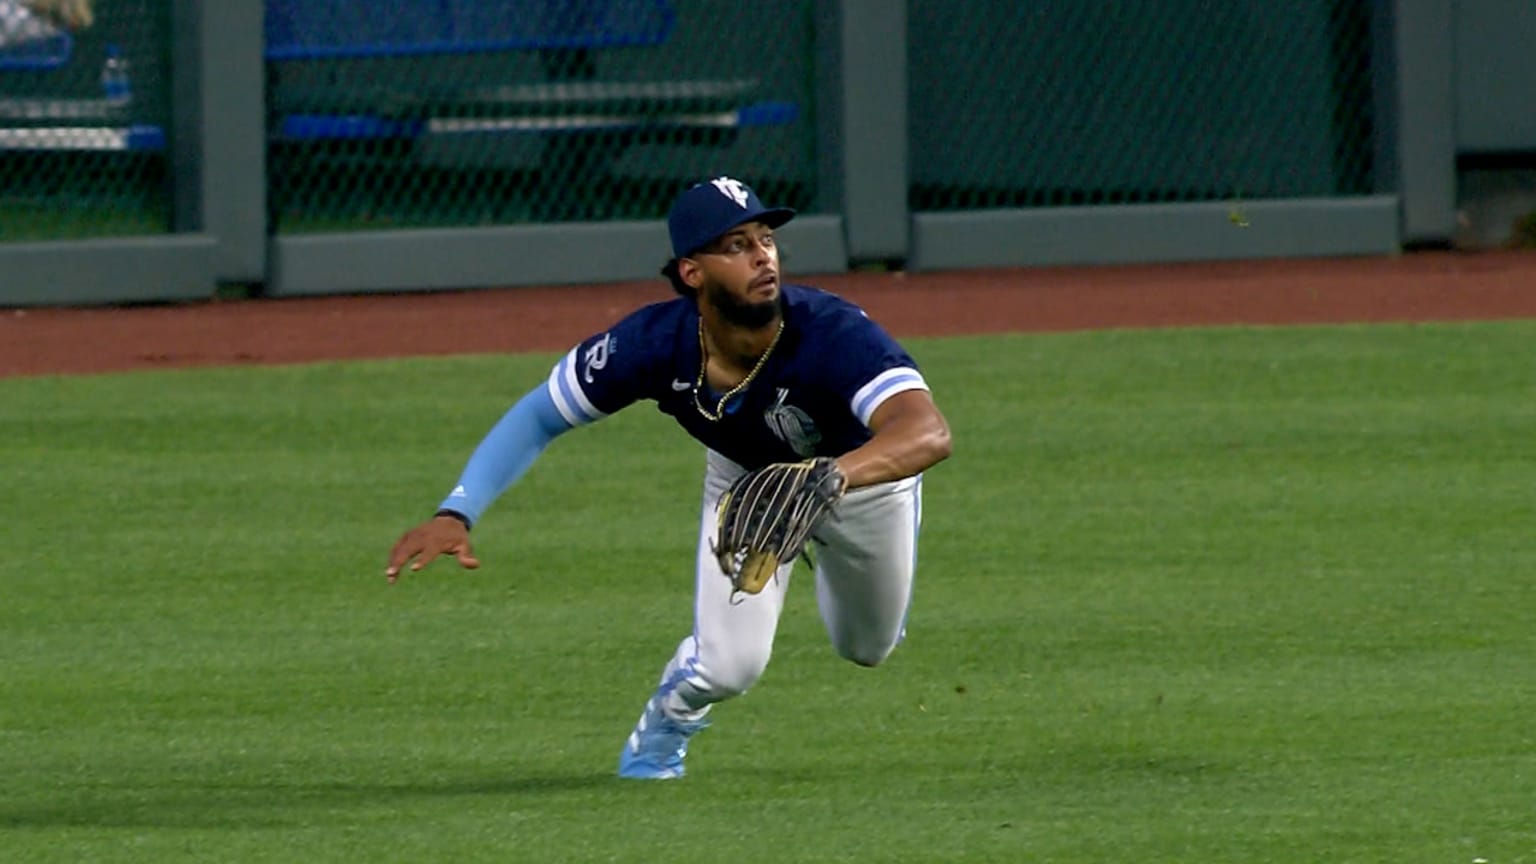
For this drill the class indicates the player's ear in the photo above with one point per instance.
(675, 279)
(689, 271)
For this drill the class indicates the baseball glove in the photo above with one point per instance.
(767, 516)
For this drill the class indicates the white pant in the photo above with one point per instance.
(865, 554)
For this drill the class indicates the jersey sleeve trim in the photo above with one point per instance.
(882, 387)
(570, 400)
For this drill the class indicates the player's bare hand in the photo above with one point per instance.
(418, 547)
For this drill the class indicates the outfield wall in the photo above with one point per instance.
(915, 137)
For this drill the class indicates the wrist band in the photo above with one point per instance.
(454, 514)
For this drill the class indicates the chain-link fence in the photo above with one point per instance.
(84, 105)
(1084, 102)
(454, 113)
(458, 113)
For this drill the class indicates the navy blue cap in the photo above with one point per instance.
(708, 210)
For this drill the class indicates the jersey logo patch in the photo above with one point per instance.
(597, 357)
(732, 189)
(792, 426)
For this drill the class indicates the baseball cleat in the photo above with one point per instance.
(656, 747)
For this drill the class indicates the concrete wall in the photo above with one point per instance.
(1495, 128)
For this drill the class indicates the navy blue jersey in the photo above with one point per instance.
(831, 369)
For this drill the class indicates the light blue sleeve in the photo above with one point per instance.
(506, 452)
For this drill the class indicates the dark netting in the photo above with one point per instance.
(1082, 102)
(416, 113)
(84, 106)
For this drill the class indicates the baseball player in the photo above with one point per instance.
(761, 372)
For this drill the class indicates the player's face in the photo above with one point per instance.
(739, 275)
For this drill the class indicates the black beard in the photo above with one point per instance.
(740, 313)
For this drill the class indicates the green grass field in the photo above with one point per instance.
(1185, 596)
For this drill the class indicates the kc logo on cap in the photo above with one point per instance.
(706, 211)
(732, 188)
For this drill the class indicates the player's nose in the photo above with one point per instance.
(762, 254)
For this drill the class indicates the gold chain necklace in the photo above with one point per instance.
(698, 386)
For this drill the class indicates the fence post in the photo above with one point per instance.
(219, 138)
(1424, 70)
(873, 38)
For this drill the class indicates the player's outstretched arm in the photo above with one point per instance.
(503, 456)
(910, 436)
